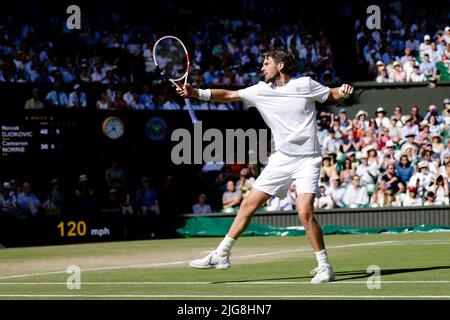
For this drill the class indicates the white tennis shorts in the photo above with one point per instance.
(281, 170)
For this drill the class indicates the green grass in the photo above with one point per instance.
(158, 269)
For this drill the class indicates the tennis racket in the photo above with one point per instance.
(172, 61)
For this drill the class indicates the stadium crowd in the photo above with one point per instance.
(410, 47)
(112, 56)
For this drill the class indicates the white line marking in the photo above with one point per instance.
(162, 264)
(213, 296)
(222, 283)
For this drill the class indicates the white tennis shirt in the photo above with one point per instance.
(290, 113)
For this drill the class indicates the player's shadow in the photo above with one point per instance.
(346, 275)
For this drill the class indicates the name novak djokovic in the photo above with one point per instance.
(226, 310)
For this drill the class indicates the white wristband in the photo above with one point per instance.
(204, 94)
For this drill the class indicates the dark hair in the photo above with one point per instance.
(282, 55)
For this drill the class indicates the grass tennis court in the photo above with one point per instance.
(413, 266)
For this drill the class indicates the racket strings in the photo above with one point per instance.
(171, 58)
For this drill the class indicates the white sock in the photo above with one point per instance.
(225, 246)
(322, 257)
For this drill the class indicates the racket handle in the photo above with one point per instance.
(191, 111)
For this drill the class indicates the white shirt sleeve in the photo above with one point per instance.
(318, 92)
(249, 95)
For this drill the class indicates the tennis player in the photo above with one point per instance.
(287, 105)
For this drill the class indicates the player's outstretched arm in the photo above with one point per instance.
(216, 95)
(336, 94)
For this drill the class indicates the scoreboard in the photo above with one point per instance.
(33, 135)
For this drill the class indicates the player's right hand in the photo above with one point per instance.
(187, 91)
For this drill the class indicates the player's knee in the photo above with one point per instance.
(248, 207)
(306, 217)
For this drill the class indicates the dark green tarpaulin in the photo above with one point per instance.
(218, 227)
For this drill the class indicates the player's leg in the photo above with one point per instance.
(219, 258)
(273, 179)
(305, 208)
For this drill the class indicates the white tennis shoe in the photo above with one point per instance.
(323, 274)
(210, 259)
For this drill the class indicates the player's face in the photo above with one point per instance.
(271, 69)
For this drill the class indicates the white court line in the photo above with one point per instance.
(214, 296)
(162, 264)
(223, 283)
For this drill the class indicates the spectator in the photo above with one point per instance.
(146, 98)
(118, 102)
(366, 173)
(55, 199)
(350, 143)
(34, 102)
(355, 195)
(84, 196)
(377, 197)
(77, 98)
(336, 191)
(381, 118)
(416, 75)
(404, 169)
(409, 128)
(324, 201)
(441, 190)
(412, 199)
(383, 76)
(431, 199)
(373, 159)
(427, 67)
(8, 200)
(425, 46)
(390, 200)
(245, 182)
(446, 112)
(331, 144)
(232, 197)
(328, 169)
(437, 146)
(201, 206)
(397, 74)
(114, 172)
(57, 97)
(28, 202)
(99, 73)
(104, 102)
(346, 174)
(146, 198)
(120, 198)
(422, 179)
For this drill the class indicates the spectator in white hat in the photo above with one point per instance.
(397, 74)
(390, 154)
(447, 35)
(383, 76)
(425, 46)
(423, 178)
(381, 118)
